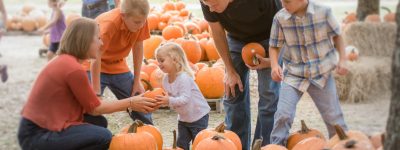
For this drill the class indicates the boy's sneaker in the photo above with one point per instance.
(3, 73)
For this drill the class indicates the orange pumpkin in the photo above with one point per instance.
(180, 5)
(156, 78)
(390, 16)
(202, 23)
(138, 140)
(165, 17)
(312, 143)
(27, 8)
(172, 32)
(203, 44)
(249, 52)
(148, 67)
(191, 47)
(184, 12)
(302, 134)
(377, 140)
(150, 45)
(152, 21)
(71, 17)
(211, 81)
(341, 135)
(162, 25)
(46, 40)
(353, 145)
(257, 146)
(374, 18)
(200, 65)
(211, 50)
(28, 24)
(153, 92)
(192, 28)
(168, 6)
(350, 17)
(219, 130)
(141, 127)
(144, 76)
(351, 53)
(174, 147)
(216, 142)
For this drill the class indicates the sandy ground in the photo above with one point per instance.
(20, 53)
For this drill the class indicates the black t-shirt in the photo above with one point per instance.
(245, 20)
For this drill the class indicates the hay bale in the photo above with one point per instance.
(371, 39)
(368, 78)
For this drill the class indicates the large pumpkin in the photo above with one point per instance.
(312, 143)
(257, 146)
(211, 50)
(29, 24)
(150, 45)
(249, 52)
(220, 130)
(174, 147)
(342, 135)
(302, 134)
(216, 142)
(141, 127)
(133, 138)
(152, 21)
(211, 81)
(172, 32)
(191, 47)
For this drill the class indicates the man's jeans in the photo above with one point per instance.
(238, 108)
(93, 13)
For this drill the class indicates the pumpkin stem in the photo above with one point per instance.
(139, 122)
(350, 144)
(220, 128)
(174, 144)
(387, 9)
(257, 144)
(383, 138)
(254, 57)
(304, 128)
(340, 132)
(133, 127)
(217, 137)
(148, 84)
(145, 61)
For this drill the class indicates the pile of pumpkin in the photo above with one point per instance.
(28, 19)
(351, 17)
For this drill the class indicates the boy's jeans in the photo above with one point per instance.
(325, 99)
(237, 108)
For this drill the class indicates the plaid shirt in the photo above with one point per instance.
(309, 54)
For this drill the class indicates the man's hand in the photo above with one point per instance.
(231, 80)
(137, 88)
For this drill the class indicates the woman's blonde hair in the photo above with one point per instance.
(135, 7)
(78, 37)
(175, 52)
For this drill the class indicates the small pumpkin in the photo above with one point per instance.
(172, 32)
(258, 143)
(217, 142)
(168, 6)
(153, 92)
(390, 16)
(174, 147)
(302, 134)
(377, 140)
(180, 5)
(141, 127)
(138, 140)
(351, 134)
(353, 145)
(249, 52)
(311, 143)
(373, 18)
(350, 17)
(219, 130)
(351, 53)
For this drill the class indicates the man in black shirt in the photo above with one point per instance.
(244, 21)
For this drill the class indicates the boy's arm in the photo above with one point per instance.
(137, 54)
(339, 45)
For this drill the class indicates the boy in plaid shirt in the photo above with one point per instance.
(310, 36)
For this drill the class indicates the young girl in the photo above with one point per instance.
(183, 94)
(56, 25)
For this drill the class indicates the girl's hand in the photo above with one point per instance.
(143, 104)
(341, 68)
(163, 100)
(277, 73)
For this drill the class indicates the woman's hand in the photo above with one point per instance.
(143, 104)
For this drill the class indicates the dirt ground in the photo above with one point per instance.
(20, 53)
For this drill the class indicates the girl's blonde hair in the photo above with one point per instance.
(175, 52)
(135, 7)
(78, 37)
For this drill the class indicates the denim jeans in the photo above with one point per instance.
(237, 108)
(325, 99)
(121, 86)
(93, 13)
(84, 136)
(188, 131)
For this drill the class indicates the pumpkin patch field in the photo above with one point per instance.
(364, 93)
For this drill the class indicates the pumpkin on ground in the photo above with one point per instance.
(302, 134)
(211, 50)
(150, 45)
(216, 142)
(29, 24)
(148, 67)
(219, 130)
(172, 32)
(152, 21)
(138, 140)
(211, 81)
(312, 143)
(258, 143)
(341, 135)
(390, 16)
(353, 145)
(191, 48)
(141, 127)
(249, 52)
